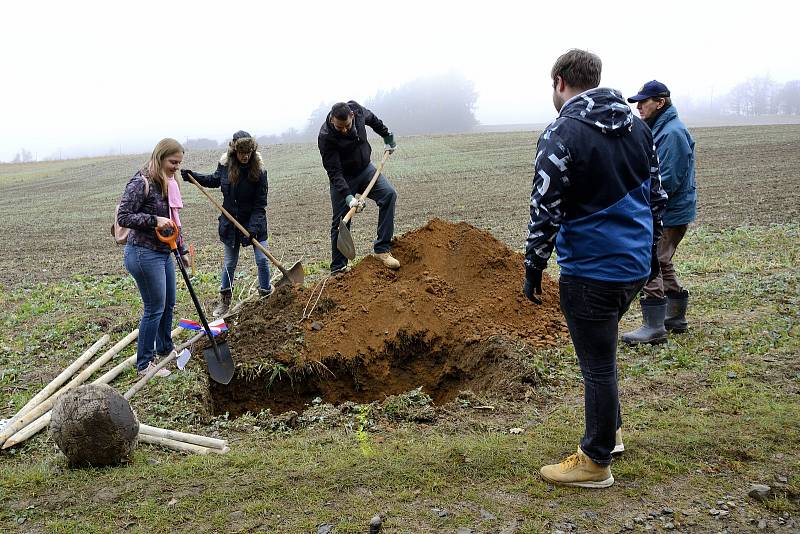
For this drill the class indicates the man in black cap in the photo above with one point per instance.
(243, 181)
(346, 152)
(664, 300)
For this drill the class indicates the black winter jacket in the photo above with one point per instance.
(245, 200)
(345, 156)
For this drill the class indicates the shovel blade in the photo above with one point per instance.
(296, 276)
(345, 242)
(220, 362)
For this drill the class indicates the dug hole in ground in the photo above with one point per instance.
(452, 318)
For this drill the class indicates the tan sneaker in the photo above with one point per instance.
(619, 447)
(580, 471)
(388, 260)
(163, 372)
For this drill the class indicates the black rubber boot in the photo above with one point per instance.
(652, 330)
(224, 303)
(675, 320)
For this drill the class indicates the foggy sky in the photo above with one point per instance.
(116, 76)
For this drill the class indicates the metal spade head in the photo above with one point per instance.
(219, 361)
(296, 276)
(345, 241)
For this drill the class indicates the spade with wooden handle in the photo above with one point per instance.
(296, 275)
(345, 240)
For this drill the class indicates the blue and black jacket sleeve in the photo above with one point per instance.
(658, 197)
(551, 178)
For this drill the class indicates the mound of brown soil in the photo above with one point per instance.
(445, 320)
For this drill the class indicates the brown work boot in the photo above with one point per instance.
(580, 471)
(224, 303)
(388, 260)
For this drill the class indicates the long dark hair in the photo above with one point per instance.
(244, 144)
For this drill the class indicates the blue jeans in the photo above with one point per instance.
(154, 273)
(593, 309)
(232, 259)
(384, 195)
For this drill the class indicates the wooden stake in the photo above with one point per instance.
(146, 378)
(47, 404)
(44, 420)
(185, 437)
(60, 379)
(180, 445)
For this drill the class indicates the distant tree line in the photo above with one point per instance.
(438, 104)
(22, 156)
(762, 96)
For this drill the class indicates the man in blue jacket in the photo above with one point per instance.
(664, 300)
(598, 199)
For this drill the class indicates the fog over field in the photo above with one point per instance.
(89, 77)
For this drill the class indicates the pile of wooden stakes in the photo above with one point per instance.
(35, 415)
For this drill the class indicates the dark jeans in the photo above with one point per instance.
(593, 309)
(384, 195)
(232, 260)
(154, 273)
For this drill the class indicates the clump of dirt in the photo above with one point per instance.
(451, 318)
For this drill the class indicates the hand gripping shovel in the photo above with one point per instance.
(218, 355)
(345, 241)
(295, 274)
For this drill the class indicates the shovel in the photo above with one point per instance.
(294, 275)
(218, 355)
(345, 241)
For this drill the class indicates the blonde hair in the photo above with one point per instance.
(154, 170)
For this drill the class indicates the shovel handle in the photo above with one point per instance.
(352, 211)
(241, 228)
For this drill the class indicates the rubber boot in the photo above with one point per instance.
(224, 303)
(652, 330)
(675, 320)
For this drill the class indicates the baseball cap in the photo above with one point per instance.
(649, 90)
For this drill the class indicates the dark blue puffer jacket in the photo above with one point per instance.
(245, 200)
(597, 194)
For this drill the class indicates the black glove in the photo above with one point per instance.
(533, 284)
(655, 266)
(244, 240)
(185, 174)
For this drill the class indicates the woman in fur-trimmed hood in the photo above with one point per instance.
(243, 181)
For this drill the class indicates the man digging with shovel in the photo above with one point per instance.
(346, 155)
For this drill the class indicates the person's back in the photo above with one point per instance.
(597, 198)
(606, 229)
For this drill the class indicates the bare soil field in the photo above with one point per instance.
(56, 216)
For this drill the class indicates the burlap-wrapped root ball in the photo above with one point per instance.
(94, 425)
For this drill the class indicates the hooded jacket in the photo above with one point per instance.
(675, 148)
(597, 194)
(245, 200)
(345, 156)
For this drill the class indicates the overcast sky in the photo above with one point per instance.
(111, 75)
